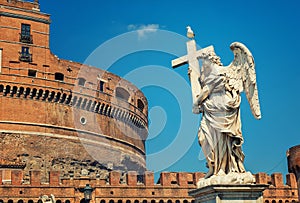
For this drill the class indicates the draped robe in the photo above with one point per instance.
(220, 133)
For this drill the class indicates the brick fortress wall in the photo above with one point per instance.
(61, 115)
(293, 158)
(130, 187)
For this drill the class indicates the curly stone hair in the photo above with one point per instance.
(213, 58)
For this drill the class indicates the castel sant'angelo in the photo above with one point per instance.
(65, 127)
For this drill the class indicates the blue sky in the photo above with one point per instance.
(270, 29)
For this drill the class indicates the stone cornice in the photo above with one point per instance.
(25, 17)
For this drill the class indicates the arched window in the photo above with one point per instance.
(153, 201)
(58, 201)
(7, 90)
(67, 201)
(161, 201)
(10, 201)
(128, 201)
(20, 201)
(144, 201)
(33, 93)
(57, 97)
(81, 81)
(280, 201)
(102, 201)
(111, 201)
(273, 201)
(63, 98)
(286, 201)
(30, 201)
(120, 201)
(185, 201)
(1, 201)
(169, 201)
(40, 94)
(14, 90)
(122, 93)
(136, 201)
(39, 201)
(267, 201)
(59, 76)
(140, 105)
(177, 201)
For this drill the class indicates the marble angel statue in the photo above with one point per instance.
(218, 99)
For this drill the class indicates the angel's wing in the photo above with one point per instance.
(241, 76)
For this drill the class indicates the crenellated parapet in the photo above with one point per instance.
(278, 191)
(171, 186)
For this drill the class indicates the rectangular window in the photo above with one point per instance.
(101, 86)
(31, 73)
(6, 176)
(25, 36)
(25, 55)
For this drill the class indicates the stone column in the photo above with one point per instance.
(250, 193)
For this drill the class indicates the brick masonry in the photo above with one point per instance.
(64, 125)
(61, 115)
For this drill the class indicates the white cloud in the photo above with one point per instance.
(143, 30)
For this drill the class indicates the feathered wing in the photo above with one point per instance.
(242, 77)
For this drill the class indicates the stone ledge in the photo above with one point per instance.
(250, 193)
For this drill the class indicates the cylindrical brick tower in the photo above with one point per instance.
(61, 115)
(293, 158)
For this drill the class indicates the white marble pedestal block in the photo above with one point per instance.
(229, 194)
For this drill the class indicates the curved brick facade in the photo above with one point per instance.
(293, 157)
(58, 114)
(64, 125)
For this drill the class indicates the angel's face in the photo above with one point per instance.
(206, 66)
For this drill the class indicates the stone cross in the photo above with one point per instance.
(192, 57)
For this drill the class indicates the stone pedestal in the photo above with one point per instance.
(229, 194)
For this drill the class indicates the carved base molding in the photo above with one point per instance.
(229, 193)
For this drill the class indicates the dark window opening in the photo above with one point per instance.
(59, 76)
(101, 86)
(81, 81)
(32, 73)
(25, 55)
(122, 93)
(140, 105)
(25, 35)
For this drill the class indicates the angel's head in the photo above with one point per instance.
(213, 58)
